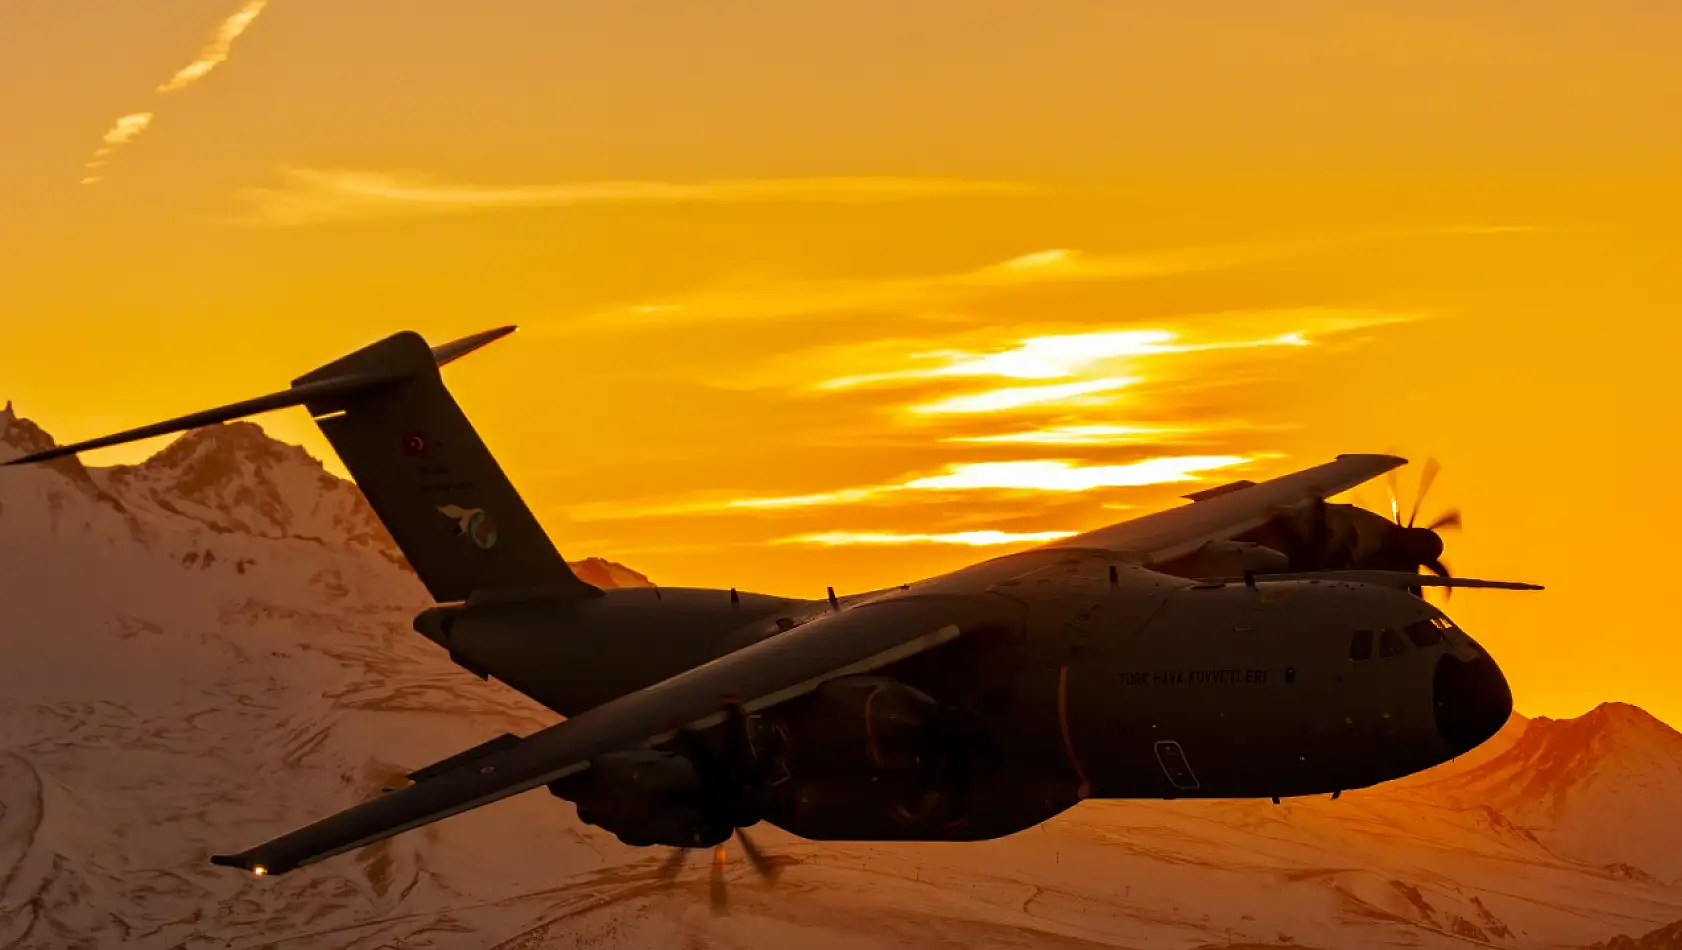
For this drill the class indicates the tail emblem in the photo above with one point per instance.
(472, 522)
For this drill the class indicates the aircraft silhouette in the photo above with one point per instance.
(1205, 651)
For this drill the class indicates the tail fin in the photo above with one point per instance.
(417, 459)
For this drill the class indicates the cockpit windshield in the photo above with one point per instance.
(1424, 633)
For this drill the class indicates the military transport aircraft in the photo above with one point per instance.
(1176, 655)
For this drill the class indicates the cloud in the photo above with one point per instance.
(123, 131)
(1060, 475)
(1035, 475)
(821, 297)
(215, 52)
(127, 128)
(1059, 356)
(1097, 433)
(312, 196)
(817, 298)
(1080, 369)
(1086, 392)
(886, 538)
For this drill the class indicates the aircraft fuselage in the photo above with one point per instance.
(1071, 682)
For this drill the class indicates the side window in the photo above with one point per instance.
(1423, 633)
(1360, 647)
(1390, 643)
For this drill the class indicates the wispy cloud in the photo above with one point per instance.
(317, 196)
(819, 297)
(1095, 433)
(1060, 475)
(123, 131)
(891, 538)
(1088, 364)
(215, 52)
(1086, 392)
(1034, 475)
(940, 291)
(1059, 356)
(1064, 373)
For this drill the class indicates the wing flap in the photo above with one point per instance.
(764, 674)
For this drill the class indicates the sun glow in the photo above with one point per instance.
(1096, 433)
(1090, 392)
(987, 538)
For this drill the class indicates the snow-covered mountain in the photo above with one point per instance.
(1605, 787)
(212, 646)
(1665, 938)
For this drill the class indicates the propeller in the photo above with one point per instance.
(1421, 547)
(718, 892)
(1316, 539)
(736, 776)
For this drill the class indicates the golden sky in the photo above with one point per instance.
(847, 294)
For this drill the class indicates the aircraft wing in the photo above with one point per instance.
(764, 674)
(1224, 513)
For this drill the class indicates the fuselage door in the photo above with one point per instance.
(1172, 758)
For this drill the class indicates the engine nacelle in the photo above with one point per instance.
(1228, 559)
(887, 746)
(645, 797)
(858, 725)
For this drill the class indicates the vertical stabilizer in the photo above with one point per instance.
(429, 476)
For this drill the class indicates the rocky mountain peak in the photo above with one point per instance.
(604, 573)
(21, 436)
(234, 477)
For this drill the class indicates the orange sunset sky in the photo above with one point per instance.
(813, 293)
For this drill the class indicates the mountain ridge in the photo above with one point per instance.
(235, 478)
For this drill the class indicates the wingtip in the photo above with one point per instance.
(1389, 461)
(243, 863)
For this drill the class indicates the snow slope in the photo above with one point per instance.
(214, 646)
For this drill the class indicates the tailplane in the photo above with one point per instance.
(424, 470)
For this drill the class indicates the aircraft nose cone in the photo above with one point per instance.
(1472, 701)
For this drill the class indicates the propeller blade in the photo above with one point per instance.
(1426, 477)
(720, 901)
(1448, 519)
(1392, 481)
(1437, 567)
(759, 859)
(672, 865)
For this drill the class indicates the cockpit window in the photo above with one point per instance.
(1424, 633)
(1390, 643)
(1360, 646)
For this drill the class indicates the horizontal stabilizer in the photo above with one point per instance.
(456, 349)
(316, 393)
(504, 741)
(1401, 580)
(324, 391)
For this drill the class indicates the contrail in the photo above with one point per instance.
(214, 53)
